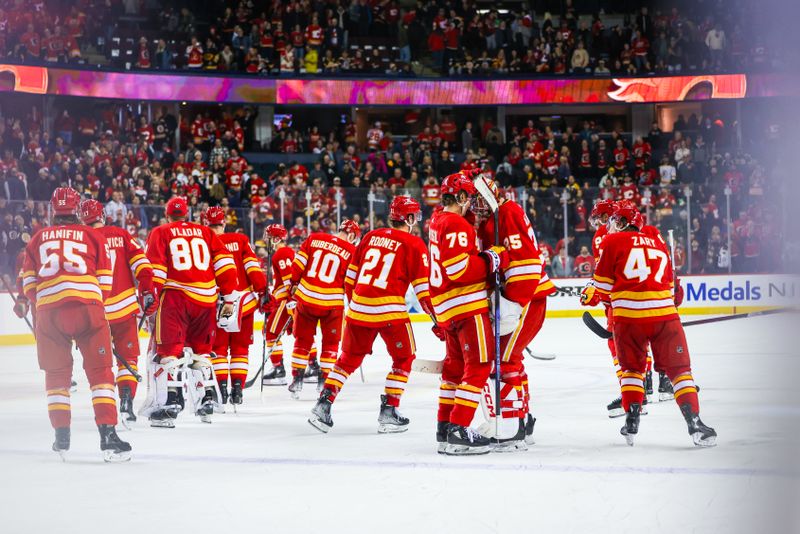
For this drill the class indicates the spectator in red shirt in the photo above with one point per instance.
(641, 46)
(583, 266)
(621, 156)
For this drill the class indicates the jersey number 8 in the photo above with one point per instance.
(186, 254)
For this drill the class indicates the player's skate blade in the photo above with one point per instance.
(321, 414)
(276, 377)
(61, 444)
(441, 436)
(296, 386)
(127, 415)
(114, 449)
(515, 443)
(164, 417)
(665, 392)
(702, 435)
(615, 408)
(390, 421)
(463, 441)
(631, 427)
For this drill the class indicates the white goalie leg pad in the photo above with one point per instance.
(203, 377)
(160, 377)
(510, 315)
(512, 409)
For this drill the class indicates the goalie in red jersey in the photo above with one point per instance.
(635, 275)
(66, 274)
(459, 281)
(235, 335)
(523, 305)
(191, 267)
(386, 262)
(277, 311)
(129, 266)
(318, 282)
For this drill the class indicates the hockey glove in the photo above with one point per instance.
(21, 307)
(678, 292)
(267, 304)
(496, 258)
(590, 296)
(438, 331)
(425, 304)
(472, 173)
(148, 301)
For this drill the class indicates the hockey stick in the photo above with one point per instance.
(540, 356)
(427, 366)
(11, 294)
(598, 329)
(264, 326)
(267, 355)
(488, 196)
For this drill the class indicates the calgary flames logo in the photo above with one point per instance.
(676, 88)
(28, 79)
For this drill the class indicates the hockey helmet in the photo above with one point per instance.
(65, 201)
(402, 207)
(92, 212)
(625, 215)
(213, 216)
(348, 227)
(600, 209)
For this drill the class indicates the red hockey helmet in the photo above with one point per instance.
(65, 201)
(455, 183)
(214, 216)
(177, 207)
(625, 215)
(92, 212)
(403, 206)
(601, 208)
(275, 232)
(349, 226)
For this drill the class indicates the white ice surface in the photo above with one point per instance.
(267, 470)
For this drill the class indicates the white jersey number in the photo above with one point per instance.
(70, 252)
(636, 265)
(326, 264)
(186, 254)
(371, 260)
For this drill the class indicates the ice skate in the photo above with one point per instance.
(441, 436)
(275, 377)
(223, 391)
(165, 417)
(513, 444)
(462, 441)
(206, 408)
(321, 413)
(320, 382)
(61, 444)
(296, 386)
(114, 449)
(665, 391)
(702, 435)
(615, 408)
(648, 387)
(631, 427)
(312, 372)
(237, 395)
(390, 421)
(127, 415)
(529, 423)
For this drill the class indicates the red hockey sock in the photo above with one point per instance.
(447, 395)
(104, 398)
(684, 388)
(327, 360)
(238, 370)
(58, 399)
(276, 357)
(221, 368)
(125, 379)
(396, 382)
(632, 384)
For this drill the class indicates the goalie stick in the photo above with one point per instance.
(488, 196)
(598, 329)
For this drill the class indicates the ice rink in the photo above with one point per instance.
(266, 469)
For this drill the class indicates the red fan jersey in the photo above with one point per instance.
(525, 279)
(458, 273)
(319, 271)
(189, 258)
(384, 264)
(68, 263)
(635, 272)
(282, 272)
(248, 270)
(128, 264)
(597, 242)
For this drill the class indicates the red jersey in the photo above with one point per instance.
(194, 56)
(319, 270)
(621, 156)
(68, 263)
(431, 195)
(597, 242)
(584, 266)
(458, 274)
(189, 258)
(635, 273)
(128, 264)
(282, 261)
(525, 279)
(641, 153)
(233, 179)
(383, 266)
(248, 270)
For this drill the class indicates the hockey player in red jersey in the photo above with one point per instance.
(458, 288)
(385, 263)
(237, 338)
(129, 266)
(318, 282)
(277, 312)
(67, 274)
(635, 274)
(191, 267)
(522, 309)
